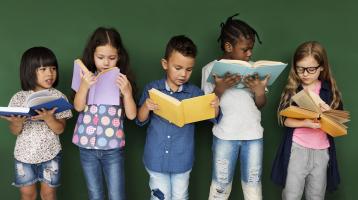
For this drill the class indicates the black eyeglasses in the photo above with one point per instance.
(310, 70)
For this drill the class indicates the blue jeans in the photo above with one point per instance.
(110, 163)
(48, 172)
(169, 186)
(225, 155)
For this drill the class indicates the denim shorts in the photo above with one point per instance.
(48, 172)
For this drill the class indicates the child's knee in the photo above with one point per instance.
(220, 190)
(28, 194)
(222, 171)
(48, 193)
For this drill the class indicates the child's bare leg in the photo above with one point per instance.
(47, 192)
(28, 192)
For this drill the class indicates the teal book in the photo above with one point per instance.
(37, 101)
(262, 67)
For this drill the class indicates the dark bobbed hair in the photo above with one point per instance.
(32, 59)
(181, 44)
(108, 36)
(233, 29)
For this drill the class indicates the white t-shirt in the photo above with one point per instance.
(241, 118)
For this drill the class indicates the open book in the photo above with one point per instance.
(332, 121)
(104, 91)
(37, 101)
(185, 111)
(262, 67)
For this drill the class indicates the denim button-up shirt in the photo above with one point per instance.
(169, 148)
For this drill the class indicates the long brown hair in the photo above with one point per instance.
(103, 36)
(316, 50)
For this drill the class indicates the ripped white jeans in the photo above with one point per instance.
(225, 155)
(169, 186)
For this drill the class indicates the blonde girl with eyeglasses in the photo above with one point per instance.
(306, 159)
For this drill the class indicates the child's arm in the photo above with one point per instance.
(257, 86)
(56, 125)
(16, 123)
(222, 84)
(87, 80)
(308, 123)
(130, 107)
(144, 110)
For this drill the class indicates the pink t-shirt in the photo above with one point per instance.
(309, 137)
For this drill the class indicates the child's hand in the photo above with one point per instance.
(45, 115)
(215, 104)
(256, 85)
(16, 123)
(88, 79)
(223, 83)
(124, 85)
(150, 105)
(310, 123)
(15, 120)
(324, 107)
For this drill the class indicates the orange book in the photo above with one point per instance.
(332, 121)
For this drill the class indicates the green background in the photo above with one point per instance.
(145, 27)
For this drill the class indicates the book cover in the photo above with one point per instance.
(37, 101)
(185, 111)
(262, 67)
(308, 108)
(104, 91)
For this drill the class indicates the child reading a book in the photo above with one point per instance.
(239, 133)
(99, 129)
(169, 149)
(306, 159)
(38, 149)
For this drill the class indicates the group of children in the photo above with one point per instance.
(305, 161)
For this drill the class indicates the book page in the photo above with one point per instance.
(331, 127)
(8, 111)
(299, 113)
(262, 63)
(198, 108)
(170, 108)
(304, 100)
(240, 62)
(105, 91)
(40, 97)
(341, 116)
(78, 71)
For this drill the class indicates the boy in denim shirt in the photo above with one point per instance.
(169, 149)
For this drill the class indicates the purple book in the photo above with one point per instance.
(105, 91)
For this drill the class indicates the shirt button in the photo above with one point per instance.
(171, 92)
(166, 151)
(168, 136)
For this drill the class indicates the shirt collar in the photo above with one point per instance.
(164, 86)
(169, 90)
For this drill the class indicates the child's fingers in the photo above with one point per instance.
(266, 79)
(122, 76)
(53, 110)
(6, 118)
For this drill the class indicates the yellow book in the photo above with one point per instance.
(185, 111)
(308, 108)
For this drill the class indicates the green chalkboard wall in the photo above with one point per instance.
(146, 26)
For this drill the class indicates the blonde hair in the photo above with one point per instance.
(316, 50)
